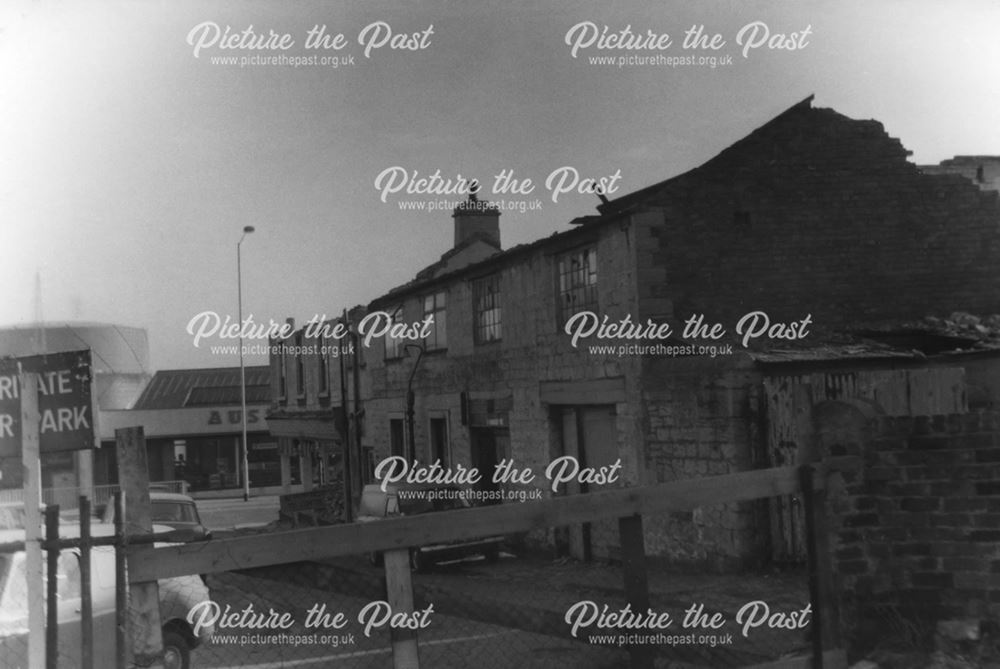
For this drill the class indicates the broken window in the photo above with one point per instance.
(577, 282)
(434, 305)
(486, 306)
(394, 344)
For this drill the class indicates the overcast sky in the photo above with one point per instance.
(129, 165)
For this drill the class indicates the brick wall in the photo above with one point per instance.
(917, 530)
(819, 213)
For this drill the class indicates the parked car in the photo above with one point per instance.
(377, 504)
(177, 596)
(176, 511)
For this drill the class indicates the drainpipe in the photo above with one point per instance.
(410, 398)
(348, 464)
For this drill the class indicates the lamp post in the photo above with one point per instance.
(243, 375)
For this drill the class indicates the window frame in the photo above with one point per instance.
(439, 328)
(481, 321)
(446, 457)
(571, 283)
(300, 367)
(282, 373)
(322, 352)
(390, 343)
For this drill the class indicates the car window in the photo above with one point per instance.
(177, 512)
(412, 507)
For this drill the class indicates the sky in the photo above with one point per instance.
(131, 163)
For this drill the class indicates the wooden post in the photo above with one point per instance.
(399, 594)
(825, 612)
(30, 422)
(145, 634)
(86, 600)
(121, 584)
(85, 471)
(52, 587)
(85, 459)
(636, 581)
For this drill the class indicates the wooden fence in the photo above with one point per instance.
(395, 536)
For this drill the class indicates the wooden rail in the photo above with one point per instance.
(394, 536)
(262, 550)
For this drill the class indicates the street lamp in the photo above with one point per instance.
(243, 375)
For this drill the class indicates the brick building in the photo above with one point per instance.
(812, 218)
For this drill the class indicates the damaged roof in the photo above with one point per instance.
(609, 211)
(959, 333)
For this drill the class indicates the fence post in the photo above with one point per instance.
(121, 584)
(52, 587)
(636, 581)
(86, 601)
(144, 598)
(825, 615)
(30, 458)
(399, 594)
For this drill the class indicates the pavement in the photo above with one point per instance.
(531, 595)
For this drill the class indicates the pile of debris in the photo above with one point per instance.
(961, 324)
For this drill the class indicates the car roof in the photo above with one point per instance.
(157, 496)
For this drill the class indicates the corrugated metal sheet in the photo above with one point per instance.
(173, 388)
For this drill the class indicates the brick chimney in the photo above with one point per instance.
(477, 218)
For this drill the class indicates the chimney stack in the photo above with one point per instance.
(475, 218)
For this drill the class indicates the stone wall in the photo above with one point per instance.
(701, 422)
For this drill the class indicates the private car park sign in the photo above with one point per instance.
(65, 407)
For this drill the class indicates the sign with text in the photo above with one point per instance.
(64, 402)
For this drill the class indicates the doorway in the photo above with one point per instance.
(589, 434)
(489, 447)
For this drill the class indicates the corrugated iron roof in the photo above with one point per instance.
(179, 388)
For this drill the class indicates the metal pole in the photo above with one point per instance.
(360, 465)
(52, 587)
(86, 601)
(346, 436)
(243, 377)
